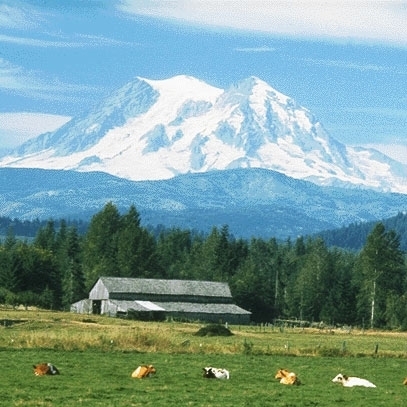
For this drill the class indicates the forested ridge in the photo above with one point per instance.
(350, 237)
(353, 236)
(295, 279)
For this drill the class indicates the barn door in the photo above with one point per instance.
(96, 306)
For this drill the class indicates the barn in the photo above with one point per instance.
(157, 299)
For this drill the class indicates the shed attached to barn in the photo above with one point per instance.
(143, 298)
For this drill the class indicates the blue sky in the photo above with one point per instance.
(345, 61)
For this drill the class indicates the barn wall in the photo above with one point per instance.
(82, 307)
(99, 291)
(170, 298)
(109, 308)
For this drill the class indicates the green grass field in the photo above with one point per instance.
(96, 356)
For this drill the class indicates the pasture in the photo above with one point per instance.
(96, 356)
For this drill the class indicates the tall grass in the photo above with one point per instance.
(68, 332)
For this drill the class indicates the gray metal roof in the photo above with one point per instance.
(181, 307)
(171, 287)
(202, 308)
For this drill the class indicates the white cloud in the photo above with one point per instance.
(16, 128)
(256, 49)
(360, 20)
(73, 42)
(15, 79)
(354, 66)
(16, 17)
(35, 42)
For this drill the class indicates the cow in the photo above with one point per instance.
(405, 381)
(43, 369)
(347, 381)
(287, 377)
(215, 373)
(144, 371)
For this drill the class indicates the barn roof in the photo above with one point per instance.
(179, 307)
(173, 287)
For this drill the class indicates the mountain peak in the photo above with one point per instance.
(157, 129)
(182, 84)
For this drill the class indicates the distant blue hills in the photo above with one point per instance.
(252, 202)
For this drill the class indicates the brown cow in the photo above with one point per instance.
(143, 371)
(287, 377)
(45, 369)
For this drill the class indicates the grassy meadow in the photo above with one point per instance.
(96, 356)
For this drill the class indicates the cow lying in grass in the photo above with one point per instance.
(287, 377)
(143, 371)
(347, 381)
(215, 373)
(45, 369)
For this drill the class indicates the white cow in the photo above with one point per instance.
(215, 373)
(352, 381)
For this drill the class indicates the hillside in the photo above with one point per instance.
(253, 202)
(353, 236)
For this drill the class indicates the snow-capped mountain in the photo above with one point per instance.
(158, 129)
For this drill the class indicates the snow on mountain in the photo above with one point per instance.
(158, 129)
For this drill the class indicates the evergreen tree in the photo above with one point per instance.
(249, 291)
(380, 276)
(73, 282)
(136, 255)
(173, 249)
(311, 283)
(222, 253)
(8, 275)
(45, 237)
(203, 260)
(100, 245)
(253, 285)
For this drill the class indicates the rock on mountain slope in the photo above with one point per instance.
(158, 129)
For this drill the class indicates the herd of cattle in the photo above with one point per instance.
(283, 375)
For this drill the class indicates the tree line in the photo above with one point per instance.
(302, 279)
(353, 236)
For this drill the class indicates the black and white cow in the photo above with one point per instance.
(45, 369)
(215, 373)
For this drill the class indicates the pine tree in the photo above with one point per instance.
(100, 245)
(45, 237)
(136, 253)
(380, 274)
(73, 282)
(8, 275)
(311, 282)
(173, 249)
